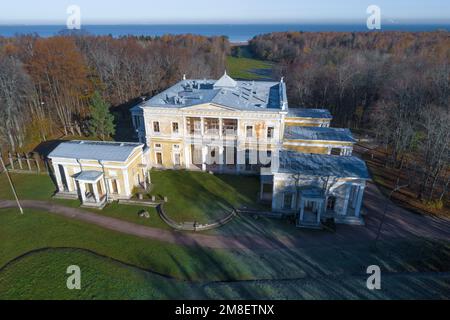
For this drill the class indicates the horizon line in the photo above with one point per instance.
(387, 21)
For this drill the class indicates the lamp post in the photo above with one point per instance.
(11, 183)
(397, 188)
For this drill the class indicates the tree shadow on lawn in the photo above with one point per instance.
(317, 273)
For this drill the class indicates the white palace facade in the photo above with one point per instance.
(247, 127)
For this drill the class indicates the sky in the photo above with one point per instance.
(225, 11)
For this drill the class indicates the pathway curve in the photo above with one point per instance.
(399, 223)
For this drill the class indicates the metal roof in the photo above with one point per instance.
(89, 175)
(322, 165)
(317, 133)
(309, 113)
(95, 150)
(239, 95)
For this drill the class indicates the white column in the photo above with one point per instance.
(202, 121)
(126, 182)
(82, 191)
(359, 200)
(319, 211)
(187, 158)
(68, 180)
(238, 158)
(302, 209)
(204, 152)
(347, 196)
(221, 158)
(58, 177)
(220, 127)
(96, 194)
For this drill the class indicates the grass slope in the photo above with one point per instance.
(245, 67)
(203, 197)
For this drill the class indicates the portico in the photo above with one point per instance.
(311, 207)
(92, 188)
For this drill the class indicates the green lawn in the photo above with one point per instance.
(28, 186)
(318, 272)
(41, 187)
(203, 197)
(248, 69)
(193, 196)
(42, 275)
(36, 229)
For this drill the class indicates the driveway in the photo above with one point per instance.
(398, 223)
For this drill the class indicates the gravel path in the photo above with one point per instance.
(398, 223)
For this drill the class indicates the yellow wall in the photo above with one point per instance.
(167, 152)
(308, 149)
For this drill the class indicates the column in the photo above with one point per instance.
(319, 211)
(302, 209)
(58, 177)
(202, 121)
(347, 196)
(220, 127)
(238, 159)
(221, 158)
(82, 191)
(96, 194)
(69, 181)
(359, 201)
(204, 152)
(261, 190)
(187, 158)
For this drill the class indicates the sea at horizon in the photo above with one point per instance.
(235, 32)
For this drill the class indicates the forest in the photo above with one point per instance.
(48, 84)
(394, 86)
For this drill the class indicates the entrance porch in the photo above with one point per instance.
(311, 208)
(91, 188)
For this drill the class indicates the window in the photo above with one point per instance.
(331, 203)
(287, 203)
(229, 127)
(114, 186)
(249, 131)
(212, 126)
(175, 127)
(159, 158)
(156, 126)
(336, 151)
(158, 146)
(270, 132)
(176, 147)
(176, 159)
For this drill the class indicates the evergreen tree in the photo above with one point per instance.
(101, 123)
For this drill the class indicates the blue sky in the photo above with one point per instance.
(216, 11)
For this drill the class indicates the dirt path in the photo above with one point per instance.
(398, 223)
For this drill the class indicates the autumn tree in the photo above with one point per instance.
(60, 75)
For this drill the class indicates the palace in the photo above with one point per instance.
(306, 168)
